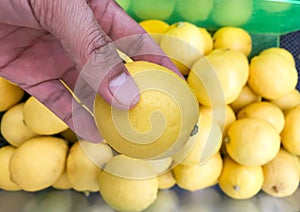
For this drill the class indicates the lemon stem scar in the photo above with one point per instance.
(226, 139)
(86, 193)
(275, 189)
(180, 24)
(194, 131)
(236, 187)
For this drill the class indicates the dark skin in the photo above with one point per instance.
(48, 44)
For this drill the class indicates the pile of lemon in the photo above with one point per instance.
(253, 100)
(239, 131)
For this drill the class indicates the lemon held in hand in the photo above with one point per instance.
(159, 124)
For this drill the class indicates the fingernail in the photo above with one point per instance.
(124, 91)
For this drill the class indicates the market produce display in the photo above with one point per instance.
(232, 121)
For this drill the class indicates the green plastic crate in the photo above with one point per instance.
(265, 20)
(256, 16)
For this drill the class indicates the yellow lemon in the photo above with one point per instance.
(240, 181)
(10, 94)
(38, 162)
(6, 183)
(166, 180)
(98, 153)
(62, 183)
(290, 135)
(287, 101)
(281, 176)
(184, 43)
(39, 119)
(219, 77)
(135, 192)
(223, 116)
(83, 167)
(272, 75)
(280, 51)
(154, 167)
(246, 97)
(160, 166)
(13, 128)
(152, 9)
(252, 141)
(203, 145)
(208, 40)
(266, 111)
(69, 135)
(298, 164)
(232, 12)
(156, 28)
(239, 60)
(194, 10)
(127, 167)
(162, 121)
(196, 176)
(235, 38)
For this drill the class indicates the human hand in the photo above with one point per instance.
(46, 44)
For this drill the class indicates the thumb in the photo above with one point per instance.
(73, 23)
